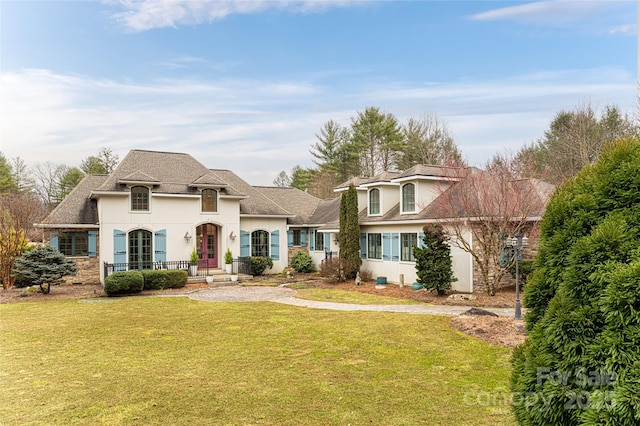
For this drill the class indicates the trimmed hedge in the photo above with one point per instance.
(259, 264)
(123, 282)
(160, 280)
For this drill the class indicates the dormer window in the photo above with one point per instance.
(409, 198)
(374, 201)
(209, 200)
(140, 198)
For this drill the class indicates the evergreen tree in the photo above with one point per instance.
(349, 236)
(433, 260)
(44, 266)
(581, 358)
(7, 180)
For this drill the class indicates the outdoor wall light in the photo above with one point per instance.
(232, 236)
(187, 236)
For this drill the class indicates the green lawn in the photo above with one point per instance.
(156, 360)
(346, 296)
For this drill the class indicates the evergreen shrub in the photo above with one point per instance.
(580, 364)
(259, 264)
(123, 282)
(159, 280)
(302, 262)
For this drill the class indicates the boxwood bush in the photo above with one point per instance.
(259, 264)
(123, 282)
(159, 280)
(302, 262)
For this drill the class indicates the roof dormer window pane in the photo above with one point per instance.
(140, 198)
(374, 201)
(409, 198)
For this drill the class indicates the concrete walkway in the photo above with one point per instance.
(287, 296)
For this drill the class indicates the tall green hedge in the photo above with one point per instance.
(581, 362)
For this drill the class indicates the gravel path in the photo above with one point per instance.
(287, 296)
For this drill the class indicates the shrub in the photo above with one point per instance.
(123, 282)
(581, 358)
(44, 266)
(228, 257)
(159, 280)
(366, 275)
(259, 264)
(433, 260)
(302, 262)
(336, 270)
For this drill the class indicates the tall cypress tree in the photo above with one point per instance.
(349, 236)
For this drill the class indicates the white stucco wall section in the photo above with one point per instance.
(253, 223)
(462, 262)
(178, 214)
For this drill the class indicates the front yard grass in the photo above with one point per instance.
(346, 296)
(172, 360)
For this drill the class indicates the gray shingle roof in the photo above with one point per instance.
(327, 211)
(78, 208)
(256, 202)
(293, 200)
(435, 171)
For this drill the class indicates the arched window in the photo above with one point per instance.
(140, 249)
(140, 198)
(409, 198)
(209, 200)
(260, 243)
(374, 201)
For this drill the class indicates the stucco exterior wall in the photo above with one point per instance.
(251, 224)
(178, 215)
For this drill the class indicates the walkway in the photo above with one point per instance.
(287, 296)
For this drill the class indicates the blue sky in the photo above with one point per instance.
(246, 85)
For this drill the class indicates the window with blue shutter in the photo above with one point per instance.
(245, 243)
(290, 238)
(386, 246)
(312, 240)
(92, 244)
(421, 239)
(161, 245)
(119, 250)
(327, 242)
(395, 247)
(303, 237)
(275, 245)
(53, 240)
(363, 245)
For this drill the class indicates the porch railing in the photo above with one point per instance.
(241, 265)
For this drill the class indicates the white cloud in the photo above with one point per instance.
(142, 15)
(628, 29)
(554, 11)
(258, 128)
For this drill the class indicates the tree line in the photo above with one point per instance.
(375, 142)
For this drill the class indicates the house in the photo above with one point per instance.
(156, 207)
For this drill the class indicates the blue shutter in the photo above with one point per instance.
(363, 245)
(327, 242)
(303, 237)
(119, 249)
(386, 246)
(244, 244)
(290, 238)
(53, 240)
(91, 240)
(312, 240)
(275, 245)
(420, 239)
(161, 245)
(395, 247)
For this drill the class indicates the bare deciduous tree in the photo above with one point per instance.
(483, 205)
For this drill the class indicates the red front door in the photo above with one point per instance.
(207, 235)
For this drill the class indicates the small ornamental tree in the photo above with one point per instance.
(433, 260)
(580, 364)
(44, 266)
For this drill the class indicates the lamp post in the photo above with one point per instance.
(512, 251)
